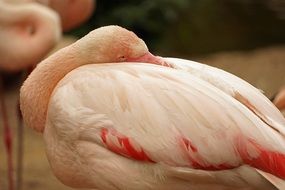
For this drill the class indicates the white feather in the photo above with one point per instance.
(154, 106)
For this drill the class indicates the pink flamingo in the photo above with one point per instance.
(114, 116)
(34, 28)
(22, 25)
(30, 24)
(72, 12)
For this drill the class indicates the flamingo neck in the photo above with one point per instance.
(37, 89)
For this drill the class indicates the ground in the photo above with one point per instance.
(263, 68)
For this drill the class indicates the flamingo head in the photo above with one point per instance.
(111, 44)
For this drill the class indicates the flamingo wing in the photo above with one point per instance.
(157, 114)
(239, 89)
(244, 92)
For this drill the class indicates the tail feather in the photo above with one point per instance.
(266, 160)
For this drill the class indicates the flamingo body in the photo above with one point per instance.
(151, 110)
(235, 87)
(110, 122)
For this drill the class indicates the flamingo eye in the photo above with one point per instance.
(122, 58)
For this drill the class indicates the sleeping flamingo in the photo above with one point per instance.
(114, 116)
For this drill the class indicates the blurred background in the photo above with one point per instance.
(244, 37)
(188, 27)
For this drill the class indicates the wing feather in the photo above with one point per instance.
(159, 114)
(237, 88)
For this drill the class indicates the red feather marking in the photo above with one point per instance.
(126, 148)
(196, 160)
(268, 161)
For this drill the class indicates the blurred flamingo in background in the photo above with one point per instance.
(110, 122)
(72, 12)
(37, 26)
(26, 38)
(28, 32)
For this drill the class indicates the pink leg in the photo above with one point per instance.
(20, 135)
(20, 148)
(7, 137)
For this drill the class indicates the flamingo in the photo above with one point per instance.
(31, 24)
(114, 116)
(72, 12)
(27, 33)
(40, 27)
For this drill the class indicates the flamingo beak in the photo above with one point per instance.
(149, 58)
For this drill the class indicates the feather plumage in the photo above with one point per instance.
(169, 116)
